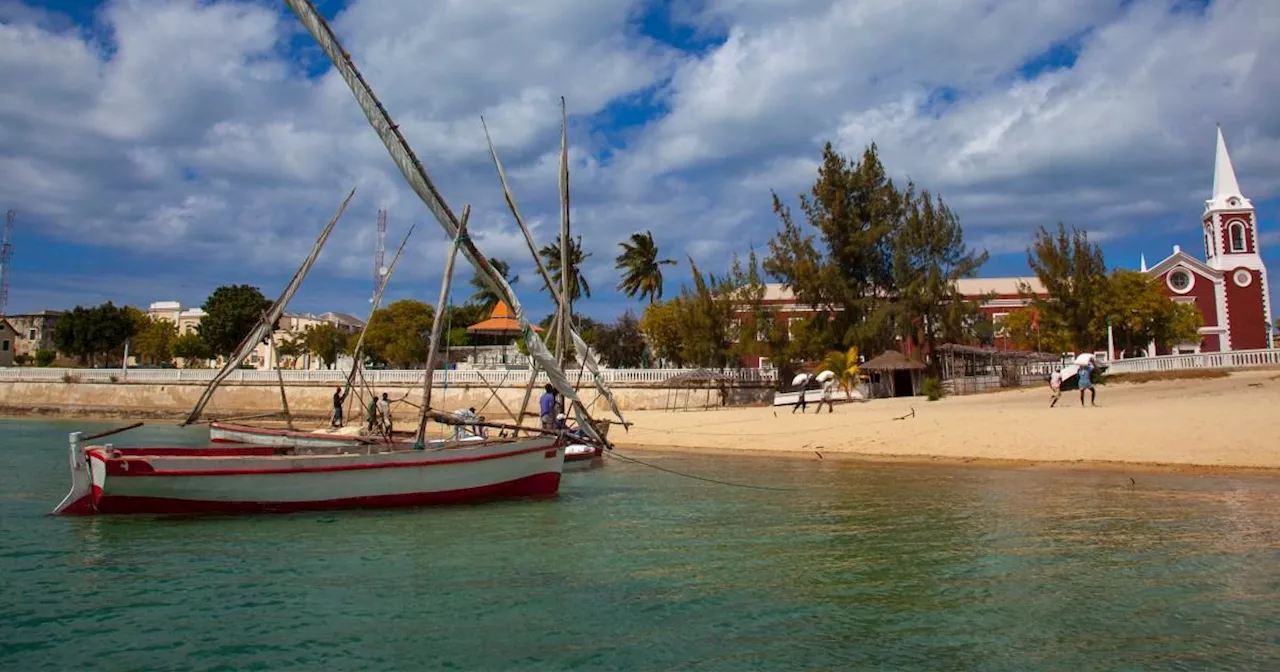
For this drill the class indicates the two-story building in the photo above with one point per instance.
(35, 331)
(292, 327)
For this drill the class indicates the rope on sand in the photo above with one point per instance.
(748, 486)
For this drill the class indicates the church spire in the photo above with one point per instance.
(1225, 187)
(1144, 263)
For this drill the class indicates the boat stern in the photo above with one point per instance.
(80, 501)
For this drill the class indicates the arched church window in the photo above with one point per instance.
(1237, 237)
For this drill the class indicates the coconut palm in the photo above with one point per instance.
(641, 268)
(578, 286)
(485, 296)
(844, 365)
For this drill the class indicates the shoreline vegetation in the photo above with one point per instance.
(1189, 425)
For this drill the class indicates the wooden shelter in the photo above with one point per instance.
(967, 369)
(688, 381)
(893, 375)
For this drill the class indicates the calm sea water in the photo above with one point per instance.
(860, 567)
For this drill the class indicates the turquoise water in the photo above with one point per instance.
(862, 567)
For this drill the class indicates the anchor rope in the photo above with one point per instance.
(674, 472)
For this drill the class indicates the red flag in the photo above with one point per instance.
(1035, 319)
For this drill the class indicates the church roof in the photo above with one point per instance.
(1180, 258)
(1225, 185)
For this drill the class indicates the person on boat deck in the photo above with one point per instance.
(384, 413)
(547, 407)
(338, 398)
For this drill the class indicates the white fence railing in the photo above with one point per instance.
(1239, 359)
(493, 377)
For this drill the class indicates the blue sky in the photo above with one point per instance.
(156, 150)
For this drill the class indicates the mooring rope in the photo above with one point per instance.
(748, 486)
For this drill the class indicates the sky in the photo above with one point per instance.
(155, 150)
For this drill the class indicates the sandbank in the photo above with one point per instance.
(1224, 424)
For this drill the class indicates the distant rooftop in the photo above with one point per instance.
(972, 287)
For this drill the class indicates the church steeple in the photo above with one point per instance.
(1226, 190)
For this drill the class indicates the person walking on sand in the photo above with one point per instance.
(800, 402)
(826, 397)
(1086, 371)
(1055, 388)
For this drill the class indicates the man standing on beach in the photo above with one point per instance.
(384, 414)
(1055, 387)
(826, 397)
(338, 398)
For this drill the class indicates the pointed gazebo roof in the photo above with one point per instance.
(501, 322)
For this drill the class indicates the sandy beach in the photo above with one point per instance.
(1229, 422)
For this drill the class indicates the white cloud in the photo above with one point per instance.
(187, 127)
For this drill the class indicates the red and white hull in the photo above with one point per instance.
(107, 480)
(581, 454)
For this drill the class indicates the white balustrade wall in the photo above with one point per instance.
(493, 377)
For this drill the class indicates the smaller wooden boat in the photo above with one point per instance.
(251, 479)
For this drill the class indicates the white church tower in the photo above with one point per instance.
(1231, 247)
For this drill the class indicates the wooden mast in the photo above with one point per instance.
(437, 325)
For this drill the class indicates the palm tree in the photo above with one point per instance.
(844, 365)
(641, 268)
(484, 296)
(578, 286)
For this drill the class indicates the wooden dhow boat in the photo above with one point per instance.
(269, 479)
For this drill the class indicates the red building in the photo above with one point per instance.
(1230, 286)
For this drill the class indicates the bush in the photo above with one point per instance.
(68, 378)
(933, 389)
(45, 357)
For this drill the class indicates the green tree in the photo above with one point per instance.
(484, 297)
(400, 333)
(641, 268)
(1074, 275)
(290, 349)
(846, 269)
(660, 325)
(844, 364)
(578, 286)
(45, 357)
(1139, 313)
(191, 348)
(929, 256)
(620, 345)
(328, 342)
(708, 324)
(93, 334)
(154, 342)
(230, 313)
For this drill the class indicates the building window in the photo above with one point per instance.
(1208, 244)
(1242, 277)
(4, 345)
(1180, 280)
(1237, 237)
(31, 334)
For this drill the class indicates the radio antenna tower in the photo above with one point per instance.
(380, 253)
(6, 256)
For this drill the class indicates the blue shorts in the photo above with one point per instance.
(1085, 383)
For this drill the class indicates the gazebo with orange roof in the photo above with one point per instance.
(500, 323)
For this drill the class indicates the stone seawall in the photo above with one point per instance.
(175, 400)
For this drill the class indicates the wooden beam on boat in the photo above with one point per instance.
(109, 432)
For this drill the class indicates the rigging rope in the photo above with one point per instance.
(748, 486)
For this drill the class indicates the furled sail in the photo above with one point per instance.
(264, 327)
(416, 175)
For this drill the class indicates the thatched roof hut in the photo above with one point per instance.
(893, 375)
(690, 380)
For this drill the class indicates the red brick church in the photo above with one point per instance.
(1229, 286)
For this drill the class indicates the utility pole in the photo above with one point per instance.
(6, 258)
